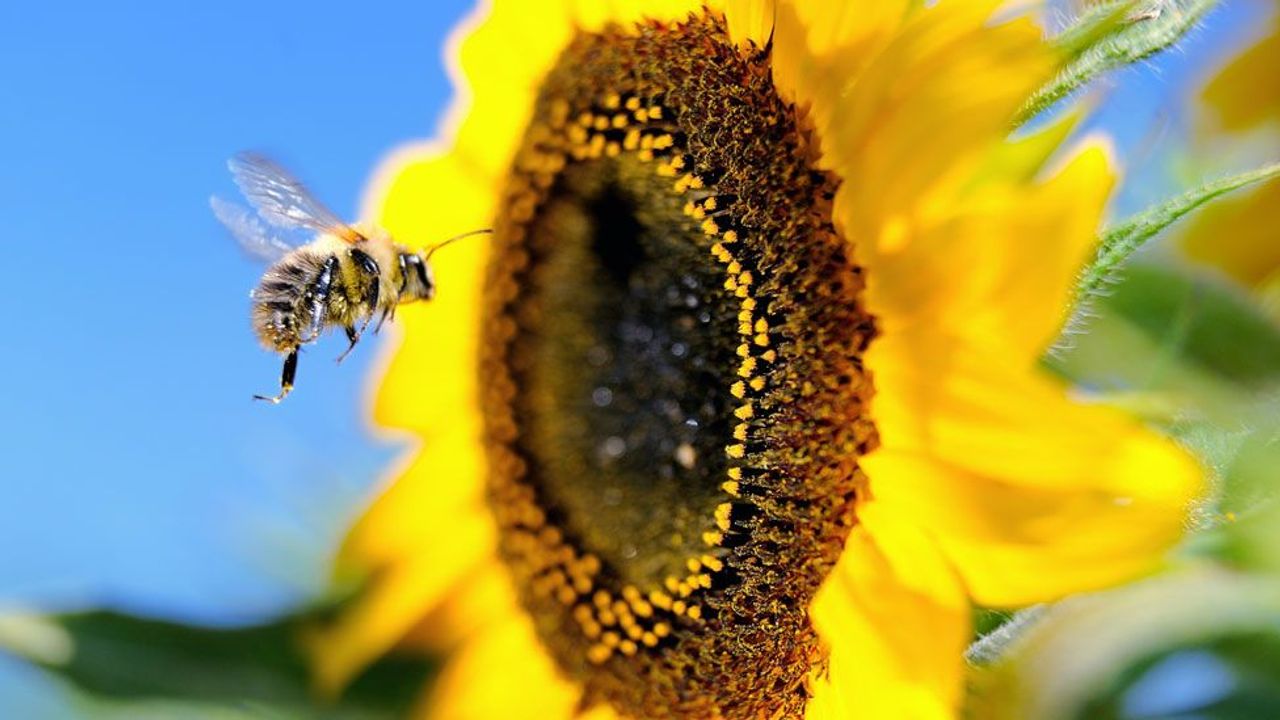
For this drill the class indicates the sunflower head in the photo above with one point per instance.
(658, 475)
(675, 400)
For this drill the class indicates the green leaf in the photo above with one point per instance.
(1169, 331)
(1122, 239)
(112, 656)
(1244, 672)
(1087, 656)
(1113, 35)
(1204, 323)
(1250, 503)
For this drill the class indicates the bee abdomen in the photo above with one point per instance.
(277, 326)
(280, 311)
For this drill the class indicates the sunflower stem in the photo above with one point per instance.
(1112, 35)
(990, 647)
(1122, 239)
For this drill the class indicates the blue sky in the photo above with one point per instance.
(136, 471)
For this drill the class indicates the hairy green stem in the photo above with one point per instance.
(1113, 35)
(1121, 240)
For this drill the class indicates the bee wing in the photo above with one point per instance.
(249, 231)
(281, 199)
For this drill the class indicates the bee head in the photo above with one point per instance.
(418, 283)
(415, 269)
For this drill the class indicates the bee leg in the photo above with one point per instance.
(353, 337)
(403, 260)
(286, 379)
(373, 275)
(388, 313)
(371, 300)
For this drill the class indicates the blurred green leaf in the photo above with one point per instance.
(1250, 538)
(987, 620)
(1178, 340)
(1234, 677)
(1203, 324)
(1088, 657)
(1112, 35)
(112, 656)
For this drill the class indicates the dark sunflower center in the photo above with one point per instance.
(626, 412)
(674, 395)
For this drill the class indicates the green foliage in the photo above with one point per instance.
(1239, 679)
(1088, 657)
(260, 670)
(1111, 35)
(1185, 324)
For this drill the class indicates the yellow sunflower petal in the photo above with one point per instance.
(502, 673)
(594, 14)
(1002, 536)
(1245, 94)
(414, 514)
(433, 198)
(1239, 235)
(897, 621)
(498, 91)
(402, 592)
(874, 77)
(887, 139)
(977, 410)
(820, 47)
(428, 528)
(480, 596)
(1023, 159)
(1011, 473)
(997, 268)
(750, 20)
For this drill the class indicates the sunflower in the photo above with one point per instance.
(1239, 235)
(740, 411)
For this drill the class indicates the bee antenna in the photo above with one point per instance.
(431, 250)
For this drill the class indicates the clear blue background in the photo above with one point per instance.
(134, 469)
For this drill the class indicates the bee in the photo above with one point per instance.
(342, 278)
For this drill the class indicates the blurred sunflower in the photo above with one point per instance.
(1239, 235)
(740, 410)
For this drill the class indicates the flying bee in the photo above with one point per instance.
(342, 278)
